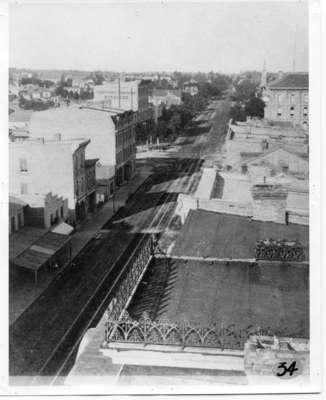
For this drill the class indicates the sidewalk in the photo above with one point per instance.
(94, 222)
(23, 292)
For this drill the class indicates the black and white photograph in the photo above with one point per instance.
(162, 230)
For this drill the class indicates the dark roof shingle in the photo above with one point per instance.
(291, 80)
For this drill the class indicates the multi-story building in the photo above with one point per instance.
(39, 166)
(287, 99)
(111, 134)
(125, 95)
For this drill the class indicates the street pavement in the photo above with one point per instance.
(23, 291)
(32, 343)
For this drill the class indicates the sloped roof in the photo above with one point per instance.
(41, 251)
(15, 205)
(20, 116)
(291, 81)
(279, 150)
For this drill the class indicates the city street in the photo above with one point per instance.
(42, 336)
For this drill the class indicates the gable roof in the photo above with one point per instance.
(291, 81)
(279, 150)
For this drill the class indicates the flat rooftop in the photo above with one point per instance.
(266, 295)
(227, 236)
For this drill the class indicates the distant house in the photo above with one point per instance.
(190, 87)
(287, 99)
(278, 161)
(167, 97)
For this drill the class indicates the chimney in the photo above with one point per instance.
(57, 136)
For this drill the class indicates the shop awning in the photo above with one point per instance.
(40, 252)
(63, 229)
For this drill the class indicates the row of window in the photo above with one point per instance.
(125, 154)
(292, 98)
(79, 162)
(285, 170)
(125, 136)
(80, 186)
(115, 97)
(292, 111)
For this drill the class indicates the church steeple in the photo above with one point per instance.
(263, 81)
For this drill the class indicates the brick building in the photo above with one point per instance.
(287, 99)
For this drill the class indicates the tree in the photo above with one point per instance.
(237, 113)
(244, 89)
(255, 107)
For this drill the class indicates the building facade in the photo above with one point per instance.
(125, 95)
(191, 87)
(65, 177)
(287, 99)
(16, 213)
(111, 134)
(167, 97)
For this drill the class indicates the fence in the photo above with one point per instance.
(134, 271)
(185, 334)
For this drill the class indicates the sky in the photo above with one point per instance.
(160, 36)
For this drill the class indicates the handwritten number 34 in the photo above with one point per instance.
(287, 370)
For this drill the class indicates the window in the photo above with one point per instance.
(20, 220)
(305, 111)
(279, 112)
(244, 168)
(23, 165)
(292, 98)
(285, 169)
(61, 212)
(12, 224)
(23, 188)
(292, 111)
(306, 97)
